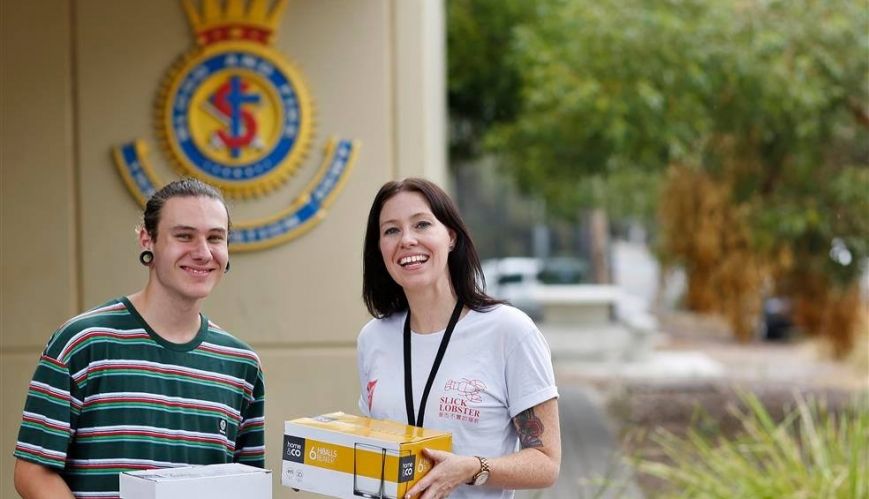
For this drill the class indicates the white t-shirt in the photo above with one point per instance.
(497, 365)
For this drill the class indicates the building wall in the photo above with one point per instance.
(79, 77)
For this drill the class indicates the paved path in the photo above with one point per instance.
(589, 466)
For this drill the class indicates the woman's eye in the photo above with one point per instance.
(423, 224)
(183, 237)
(215, 239)
(389, 231)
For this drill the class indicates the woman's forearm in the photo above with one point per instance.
(538, 463)
(525, 469)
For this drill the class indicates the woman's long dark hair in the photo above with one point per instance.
(382, 295)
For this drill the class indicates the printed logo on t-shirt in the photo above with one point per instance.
(221, 427)
(371, 385)
(460, 400)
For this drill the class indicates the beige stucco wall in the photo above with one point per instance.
(80, 77)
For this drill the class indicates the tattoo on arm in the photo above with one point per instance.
(530, 428)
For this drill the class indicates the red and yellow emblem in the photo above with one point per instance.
(235, 113)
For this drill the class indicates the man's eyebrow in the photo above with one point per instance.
(188, 227)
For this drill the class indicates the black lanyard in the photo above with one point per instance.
(408, 381)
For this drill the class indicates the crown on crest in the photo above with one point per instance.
(222, 20)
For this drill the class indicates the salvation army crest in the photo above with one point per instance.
(234, 112)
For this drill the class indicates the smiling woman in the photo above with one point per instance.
(414, 244)
(472, 365)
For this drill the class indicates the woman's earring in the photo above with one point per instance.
(146, 257)
(227, 268)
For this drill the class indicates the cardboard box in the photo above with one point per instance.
(342, 455)
(214, 481)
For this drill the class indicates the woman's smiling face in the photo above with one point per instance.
(415, 245)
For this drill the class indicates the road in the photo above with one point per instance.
(590, 467)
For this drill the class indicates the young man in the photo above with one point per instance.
(146, 381)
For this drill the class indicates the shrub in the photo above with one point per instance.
(813, 452)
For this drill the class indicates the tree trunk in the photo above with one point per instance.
(599, 238)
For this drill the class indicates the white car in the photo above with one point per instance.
(514, 279)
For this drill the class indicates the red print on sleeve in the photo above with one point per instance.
(371, 385)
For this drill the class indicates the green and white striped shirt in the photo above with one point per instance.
(110, 395)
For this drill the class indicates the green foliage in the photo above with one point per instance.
(814, 452)
(627, 194)
(609, 86)
(828, 213)
(796, 107)
(483, 87)
(581, 98)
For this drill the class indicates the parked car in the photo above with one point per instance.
(514, 279)
(563, 270)
(777, 322)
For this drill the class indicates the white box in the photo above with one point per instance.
(342, 455)
(214, 481)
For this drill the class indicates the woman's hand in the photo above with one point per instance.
(448, 472)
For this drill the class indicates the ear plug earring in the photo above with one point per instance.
(146, 257)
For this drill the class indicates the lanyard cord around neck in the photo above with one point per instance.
(408, 379)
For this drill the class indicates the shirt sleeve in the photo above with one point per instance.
(530, 378)
(362, 369)
(250, 444)
(49, 419)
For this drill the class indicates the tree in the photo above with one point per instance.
(764, 102)
(609, 88)
(483, 87)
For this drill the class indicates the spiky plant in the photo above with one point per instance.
(814, 452)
